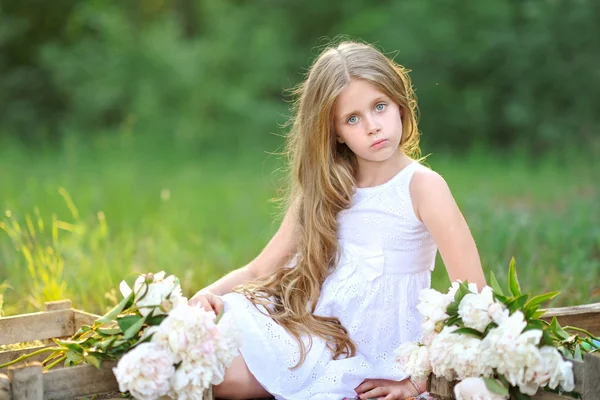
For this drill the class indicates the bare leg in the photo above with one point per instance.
(239, 383)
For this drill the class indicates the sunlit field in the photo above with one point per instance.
(76, 222)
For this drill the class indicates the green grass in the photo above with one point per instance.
(97, 215)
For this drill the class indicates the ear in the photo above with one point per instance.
(339, 139)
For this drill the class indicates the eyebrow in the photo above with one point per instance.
(378, 99)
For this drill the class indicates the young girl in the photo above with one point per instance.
(325, 304)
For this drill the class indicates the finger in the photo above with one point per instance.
(366, 385)
(217, 304)
(193, 301)
(203, 303)
(375, 393)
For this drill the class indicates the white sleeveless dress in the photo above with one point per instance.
(387, 256)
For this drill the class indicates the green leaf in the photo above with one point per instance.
(463, 290)
(93, 360)
(558, 330)
(538, 314)
(109, 332)
(453, 320)
(577, 354)
(452, 309)
(495, 285)
(134, 329)
(501, 298)
(513, 281)
(469, 331)
(70, 345)
(535, 324)
(105, 343)
(547, 339)
(155, 319)
(73, 358)
(537, 300)
(496, 386)
(127, 321)
(517, 303)
(112, 314)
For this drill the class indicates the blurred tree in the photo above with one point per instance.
(212, 72)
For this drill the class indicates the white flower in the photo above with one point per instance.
(440, 353)
(154, 292)
(192, 336)
(553, 370)
(145, 371)
(475, 389)
(473, 309)
(413, 358)
(511, 352)
(190, 382)
(432, 306)
(498, 312)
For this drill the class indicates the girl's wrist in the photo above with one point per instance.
(416, 386)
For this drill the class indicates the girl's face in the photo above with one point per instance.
(368, 121)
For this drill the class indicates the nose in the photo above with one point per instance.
(373, 125)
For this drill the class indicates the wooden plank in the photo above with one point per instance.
(441, 387)
(578, 374)
(4, 387)
(591, 382)
(26, 382)
(79, 381)
(57, 305)
(83, 318)
(36, 326)
(585, 316)
(6, 356)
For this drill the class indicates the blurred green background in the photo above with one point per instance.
(144, 135)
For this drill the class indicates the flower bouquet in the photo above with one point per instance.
(493, 342)
(163, 346)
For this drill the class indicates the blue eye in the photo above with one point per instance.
(380, 107)
(353, 119)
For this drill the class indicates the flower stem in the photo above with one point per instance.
(50, 366)
(573, 328)
(26, 356)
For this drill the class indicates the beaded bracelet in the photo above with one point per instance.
(417, 388)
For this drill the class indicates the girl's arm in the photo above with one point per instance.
(435, 206)
(276, 254)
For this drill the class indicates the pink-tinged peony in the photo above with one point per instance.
(441, 353)
(191, 334)
(457, 355)
(512, 352)
(190, 381)
(552, 370)
(475, 389)
(473, 309)
(145, 371)
(413, 358)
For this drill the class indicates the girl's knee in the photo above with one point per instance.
(239, 383)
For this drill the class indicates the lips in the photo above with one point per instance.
(378, 142)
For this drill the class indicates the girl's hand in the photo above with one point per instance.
(386, 389)
(208, 301)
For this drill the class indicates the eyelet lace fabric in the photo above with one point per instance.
(386, 257)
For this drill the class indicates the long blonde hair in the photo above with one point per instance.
(322, 184)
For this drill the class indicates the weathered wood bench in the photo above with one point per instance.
(28, 382)
(586, 373)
